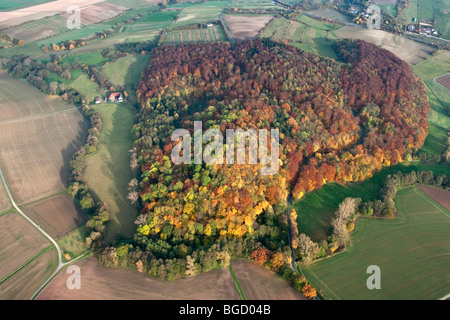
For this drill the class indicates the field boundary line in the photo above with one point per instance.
(35, 116)
(316, 278)
(441, 85)
(236, 283)
(26, 263)
(433, 202)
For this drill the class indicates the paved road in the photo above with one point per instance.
(53, 241)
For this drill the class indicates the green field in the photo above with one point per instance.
(9, 5)
(90, 58)
(316, 209)
(305, 33)
(411, 251)
(255, 4)
(214, 33)
(107, 171)
(74, 34)
(125, 70)
(200, 13)
(433, 67)
(86, 87)
(390, 9)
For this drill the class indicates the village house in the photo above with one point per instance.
(116, 97)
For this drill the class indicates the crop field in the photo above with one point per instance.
(57, 215)
(439, 97)
(125, 70)
(97, 12)
(304, 33)
(161, 17)
(107, 171)
(445, 81)
(19, 242)
(259, 283)
(24, 283)
(40, 29)
(39, 11)
(408, 50)
(4, 201)
(200, 13)
(38, 135)
(437, 194)
(132, 4)
(87, 87)
(8, 5)
(74, 34)
(119, 283)
(255, 4)
(211, 34)
(246, 27)
(316, 209)
(411, 251)
(331, 14)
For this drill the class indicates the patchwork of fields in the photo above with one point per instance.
(39, 134)
(411, 251)
(175, 37)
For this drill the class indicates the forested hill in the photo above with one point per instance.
(337, 121)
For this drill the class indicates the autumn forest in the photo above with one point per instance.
(338, 121)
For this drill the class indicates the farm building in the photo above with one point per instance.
(98, 100)
(115, 97)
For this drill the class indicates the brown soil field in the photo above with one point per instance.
(437, 194)
(34, 34)
(445, 81)
(4, 201)
(22, 100)
(57, 215)
(17, 17)
(408, 50)
(19, 242)
(98, 282)
(246, 27)
(35, 154)
(98, 12)
(23, 284)
(258, 283)
(38, 135)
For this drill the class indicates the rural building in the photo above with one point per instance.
(115, 97)
(209, 25)
(97, 100)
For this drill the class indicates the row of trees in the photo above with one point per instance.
(36, 73)
(350, 209)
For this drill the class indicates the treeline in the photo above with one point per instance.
(98, 211)
(72, 44)
(36, 73)
(172, 260)
(344, 220)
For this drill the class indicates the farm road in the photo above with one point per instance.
(42, 231)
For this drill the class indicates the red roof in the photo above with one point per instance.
(115, 95)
